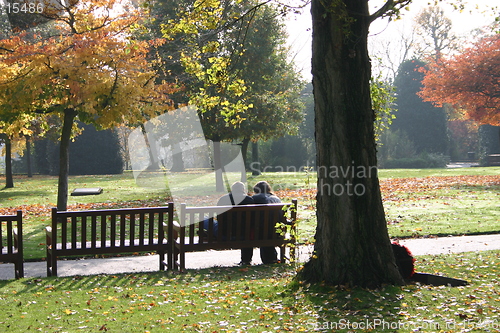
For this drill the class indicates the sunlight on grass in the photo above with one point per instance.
(428, 202)
(255, 299)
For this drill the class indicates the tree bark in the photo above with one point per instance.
(352, 242)
(244, 153)
(255, 159)
(219, 181)
(9, 178)
(177, 159)
(244, 150)
(28, 156)
(62, 186)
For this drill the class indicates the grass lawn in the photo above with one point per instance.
(255, 299)
(267, 298)
(418, 202)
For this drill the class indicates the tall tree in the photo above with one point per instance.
(273, 84)
(239, 75)
(469, 81)
(435, 31)
(423, 123)
(352, 243)
(92, 71)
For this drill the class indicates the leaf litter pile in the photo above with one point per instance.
(393, 188)
(396, 189)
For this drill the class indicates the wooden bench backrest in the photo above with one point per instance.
(109, 231)
(234, 222)
(11, 234)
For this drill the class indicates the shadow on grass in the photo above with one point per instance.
(131, 280)
(5, 194)
(349, 309)
(263, 293)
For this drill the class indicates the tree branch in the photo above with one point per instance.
(391, 7)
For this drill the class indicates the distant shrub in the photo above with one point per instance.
(423, 161)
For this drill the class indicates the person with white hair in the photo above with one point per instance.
(237, 196)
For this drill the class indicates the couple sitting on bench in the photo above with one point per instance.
(239, 196)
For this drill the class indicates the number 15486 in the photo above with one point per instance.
(24, 8)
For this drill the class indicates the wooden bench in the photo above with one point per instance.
(494, 160)
(112, 231)
(237, 227)
(11, 242)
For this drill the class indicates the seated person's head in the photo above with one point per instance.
(262, 187)
(238, 188)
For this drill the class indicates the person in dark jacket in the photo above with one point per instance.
(238, 196)
(263, 195)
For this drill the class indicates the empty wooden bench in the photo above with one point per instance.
(237, 227)
(494, 160)
(111, 231)
(11, 242)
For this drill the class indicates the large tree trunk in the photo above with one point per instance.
(219, 168)
(9, 178)
(244, 151)
(256, 170)
(62, 186)
(352, 243)
(177, 159)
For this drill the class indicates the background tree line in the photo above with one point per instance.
(424, 133)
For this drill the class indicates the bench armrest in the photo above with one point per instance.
(15, 233)
(48, 235)
(176, 227)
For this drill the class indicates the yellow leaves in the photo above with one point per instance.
(69, 312)
(93, 66)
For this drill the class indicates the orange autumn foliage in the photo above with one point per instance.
(469, 81)
(90, 63)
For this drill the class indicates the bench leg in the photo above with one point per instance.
(161, 254)
(182, 259)
(51, 263)
(19, 269)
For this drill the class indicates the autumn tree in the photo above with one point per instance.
(13, 133)
(468, 81)
(91, 71)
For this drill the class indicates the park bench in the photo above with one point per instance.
(237, 227)
(11, 242)
(494, 160)
(111, 231)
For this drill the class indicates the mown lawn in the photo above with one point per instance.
(255, 299)
(267, 298)
(418, 202)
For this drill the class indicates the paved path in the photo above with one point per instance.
(420, 246)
